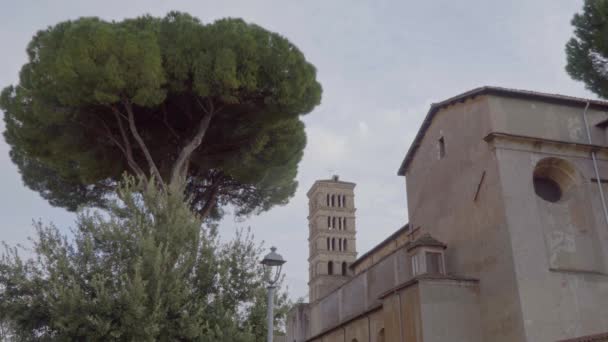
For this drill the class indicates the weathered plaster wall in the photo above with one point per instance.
(545, 120)
(449, 311)
(560, 249)
(298, 323)
(379, 252)
(458, 200)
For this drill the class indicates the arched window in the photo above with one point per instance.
(328, 200)
(339, 223)
(344, 224)
(330, 268)
(380, 335)
(343, 200)
(333, 200)
(344, 244)
(328, 222)
(333, 222)
(333, 244)
(328, 244)
(344, 268)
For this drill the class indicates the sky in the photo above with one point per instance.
(381, 64)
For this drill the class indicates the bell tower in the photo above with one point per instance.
(332, 235)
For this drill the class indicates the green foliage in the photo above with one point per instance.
(587, 51)
(226, 96)
(143, 271)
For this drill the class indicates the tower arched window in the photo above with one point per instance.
(339, 223)
(333, 222)
(344, 227)
(344, 268)
(328, 242)
(343, 200)
(339, 201)
(333, 200)
(344, 247)
(330, 268)
(333, 244)
(328, 222)
(328, 200)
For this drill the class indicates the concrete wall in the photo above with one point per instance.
(379, 252)
(433, 310)
(360, 293)
(458, 199)
(298, 323)
(449, 311)
(560, 249)
(542, 266)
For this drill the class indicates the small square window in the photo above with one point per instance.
(434, 264)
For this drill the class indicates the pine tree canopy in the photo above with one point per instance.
(215, 106)
(587, 51)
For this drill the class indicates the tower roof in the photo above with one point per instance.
(335, 180)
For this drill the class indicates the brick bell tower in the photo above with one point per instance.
(332, 235)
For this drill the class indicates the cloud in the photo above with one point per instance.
(363, 129)
(326, 145)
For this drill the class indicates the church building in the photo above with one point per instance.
(507, 239)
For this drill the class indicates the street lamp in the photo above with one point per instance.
(273, 263)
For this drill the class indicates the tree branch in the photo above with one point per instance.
(141, 143)
(210, 202)
(166, 122)
(209, 196)
(128, 150)
(134, 167)
(179, 171)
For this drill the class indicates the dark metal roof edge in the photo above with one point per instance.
(378, 246)
(488, 90)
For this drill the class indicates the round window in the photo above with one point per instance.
(547, 189)
(553, 178)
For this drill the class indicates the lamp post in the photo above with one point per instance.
(273, 263)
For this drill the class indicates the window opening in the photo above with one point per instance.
(434, 264)
(441, 144)
(547, 189)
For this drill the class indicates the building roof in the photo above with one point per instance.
(489, 90)
(426, 240)
(334, 180)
